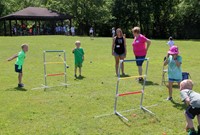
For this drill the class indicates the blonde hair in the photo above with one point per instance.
(120, 30)
(77, 42)
(186, 84)
(24, 45)
(136, 30)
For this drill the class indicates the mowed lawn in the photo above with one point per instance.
(85, 107)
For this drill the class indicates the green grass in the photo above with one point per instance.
(73, 110)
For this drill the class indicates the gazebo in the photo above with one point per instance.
(36, 14)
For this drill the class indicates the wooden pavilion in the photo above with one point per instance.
(35, 14)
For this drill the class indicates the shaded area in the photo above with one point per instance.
(178, 105)
(16, 89)
(148, 83)
(80, 77)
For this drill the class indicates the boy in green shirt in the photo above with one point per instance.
(19, 63)
(78, 57)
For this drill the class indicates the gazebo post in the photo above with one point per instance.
(10, 27)
(16, 27)
(22, 28)
(70, 23)
(39, 27)
(4, 24)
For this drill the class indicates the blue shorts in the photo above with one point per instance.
(18, 70)
(139, 62)
(174, 80)
(119, 55)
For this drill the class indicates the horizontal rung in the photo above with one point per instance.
(56, 74)
(134, 60)
(130, 93)
(54, 63)
(132, 77)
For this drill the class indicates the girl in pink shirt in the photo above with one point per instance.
(140, 47)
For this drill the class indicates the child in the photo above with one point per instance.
(91, 31)
(170, 42)
(78, 56)
(113, 32)
(192, 100)
(19, 63)
(174, 62)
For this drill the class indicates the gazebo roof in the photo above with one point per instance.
(36, 13)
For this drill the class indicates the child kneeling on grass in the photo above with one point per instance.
(192, 100)
(19, 63)
(78, 57)
(174, 61)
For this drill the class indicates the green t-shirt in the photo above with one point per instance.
(193, 96)
(78, 55)
(20, 59)
(174, 72)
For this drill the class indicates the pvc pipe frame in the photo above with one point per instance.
(128, 93)
(45, 63)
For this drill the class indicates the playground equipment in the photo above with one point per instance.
(134, 92)
(56, 74)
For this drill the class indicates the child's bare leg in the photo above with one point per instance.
(198, 119)
(79, 71)
(170, 88)
(140, 70)
(189, 124)
(75, 70)
(20, 78)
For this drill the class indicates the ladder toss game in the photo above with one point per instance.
(55, 62)
(134, 92)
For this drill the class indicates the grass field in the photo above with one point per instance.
(74, 110)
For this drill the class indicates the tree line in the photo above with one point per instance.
(157, 18)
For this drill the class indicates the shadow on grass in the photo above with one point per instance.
(178, 105)
(16, 89)
(80, 78)
(148, 83)
(123, 121)
(126, 75)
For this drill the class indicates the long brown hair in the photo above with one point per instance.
(120, 30)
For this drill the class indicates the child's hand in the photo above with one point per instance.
(73, 50)
(83, 58)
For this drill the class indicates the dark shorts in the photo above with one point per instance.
(139, 62)
(18, 70)
(192, 112)
(120, 55)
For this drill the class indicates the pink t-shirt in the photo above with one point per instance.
(139, 46)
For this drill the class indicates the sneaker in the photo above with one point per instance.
(21, 85)
(75, 76)
(192, 132)
(169, 98)
(123, 74)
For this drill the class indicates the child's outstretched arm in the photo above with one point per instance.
(13, 57)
